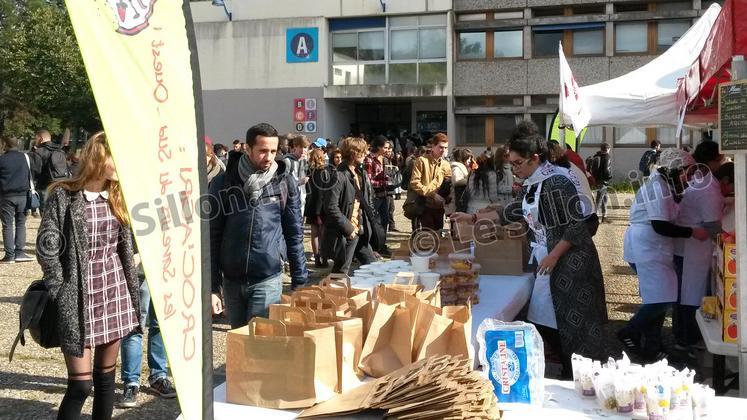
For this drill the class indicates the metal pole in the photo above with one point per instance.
(739, 71)
(561, 122)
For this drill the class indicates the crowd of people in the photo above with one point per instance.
(267, 187)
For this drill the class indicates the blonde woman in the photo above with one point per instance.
(86, 254)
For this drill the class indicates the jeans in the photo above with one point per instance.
(684, 326)
(647, 324)
(601, 200)
(245, 300)
(132, 346)
(390, 203)
(381, 204)
(13, 210)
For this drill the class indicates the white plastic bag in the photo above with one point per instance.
(513, 357)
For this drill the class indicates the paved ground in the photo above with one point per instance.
(34, 383)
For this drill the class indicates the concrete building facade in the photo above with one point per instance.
(470, 68)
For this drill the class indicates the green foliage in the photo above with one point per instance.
(43, 82)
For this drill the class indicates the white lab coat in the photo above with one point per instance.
(701, 203)
(653, 254)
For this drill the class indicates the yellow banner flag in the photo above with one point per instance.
(137, 55)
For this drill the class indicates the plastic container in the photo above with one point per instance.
(420, 264)
(461, 261)
(405, 277)
(428, 280)
(513, 356)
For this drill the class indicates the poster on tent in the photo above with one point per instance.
(141, 60)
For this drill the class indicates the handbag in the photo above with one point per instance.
(32, 196)
(414, 205)
(38, 314)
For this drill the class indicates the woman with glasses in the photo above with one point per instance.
(567, 303)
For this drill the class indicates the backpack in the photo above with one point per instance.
(393, 177)
(55, 167)
(38, 314)
(648, 159)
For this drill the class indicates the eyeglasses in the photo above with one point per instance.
(518, 163)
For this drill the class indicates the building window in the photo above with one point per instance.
(504, 125)
(667, 135)
(508, 44)
(432, 43)
(669, 32)
(470, 129)
(344, 47)
(471, 45)
(548, 11)
(588, 42)
(371, 46)
(546, 43)
(631, 37)
(412, 51)
(403, 44)
(630, 136)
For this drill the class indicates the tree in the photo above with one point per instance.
(43, 82)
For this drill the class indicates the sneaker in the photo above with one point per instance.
(163, 387)
(8, 260)
(23, 258)
(129, 397)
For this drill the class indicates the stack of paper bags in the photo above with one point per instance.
(443, 387)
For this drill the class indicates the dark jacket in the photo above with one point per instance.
(49, 164)
(576, 282)
(14, 174)
(602, 170)
(246, 238)
(338, 211)
(62, 252)
(321, 180)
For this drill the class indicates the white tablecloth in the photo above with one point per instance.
(561, 402)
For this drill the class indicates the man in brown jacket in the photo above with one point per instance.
(429, 174)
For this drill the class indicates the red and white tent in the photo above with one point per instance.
(656, 93)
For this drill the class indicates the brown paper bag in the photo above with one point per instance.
(388, 346)
(268, 367)
(449, 333)
(348, 339)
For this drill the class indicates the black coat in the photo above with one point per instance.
(338, 209)
(320, 181)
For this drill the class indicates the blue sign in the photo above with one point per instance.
(302, 45)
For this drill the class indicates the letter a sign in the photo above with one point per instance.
(302, 45)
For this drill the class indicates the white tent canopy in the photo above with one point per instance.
(646, 97)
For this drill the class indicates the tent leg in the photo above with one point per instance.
(740, 194)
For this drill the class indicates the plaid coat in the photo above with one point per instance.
(62, 252)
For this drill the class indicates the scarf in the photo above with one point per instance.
(255, 179)
(548, 169)
(214, 168)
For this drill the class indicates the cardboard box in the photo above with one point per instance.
(504, 257)
(726, 291)
(726, 253)
(729, 322)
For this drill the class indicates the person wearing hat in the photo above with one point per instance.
(649, 249)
